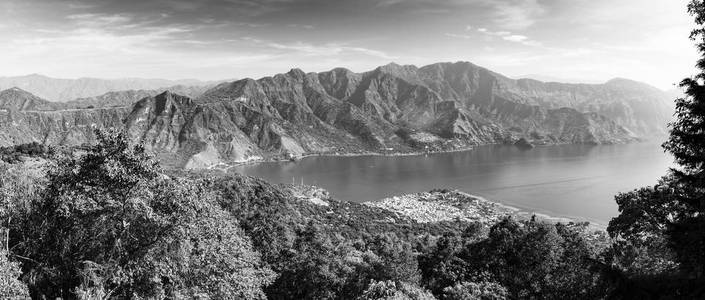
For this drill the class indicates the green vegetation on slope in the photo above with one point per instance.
(108, 223)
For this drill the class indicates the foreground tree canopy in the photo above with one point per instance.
(106, 222)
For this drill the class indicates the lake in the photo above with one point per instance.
(575, 181)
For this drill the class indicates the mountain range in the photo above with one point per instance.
(393, 108)
(59, 89)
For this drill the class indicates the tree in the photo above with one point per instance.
(528, 259)
(211, 257)
(521, 256)
(441, 266)
(640, 231)
(10, 285)
(109, 224)
(687, 144)
(475, 291)
(391, 290)
(315, 267)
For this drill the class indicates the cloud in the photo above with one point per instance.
(328, 49)
(100, 53)
(144, 38)
(504, 35)
(460, 36)
(302, 26)
(515, 38)
(516, 14)
(99, 19)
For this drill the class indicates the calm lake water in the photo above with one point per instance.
(576, 181)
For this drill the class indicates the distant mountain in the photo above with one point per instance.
(19, 99)
(643, 109)
(442, 106)
(548, 78)
(675, 93)
(129, 97)
(56, 89)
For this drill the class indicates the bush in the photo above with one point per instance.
(10, 285)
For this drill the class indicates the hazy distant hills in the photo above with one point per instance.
(18, 99)
(441, 106)
(56, 89)
(129, 97)
(548, 78)
(643, 109)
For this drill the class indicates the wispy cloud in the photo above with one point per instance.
(460, 36)
(515, 14)
(506, 36)
(148, 38)
(302, 26)
(89, 19)
(501, 35)
(328, 49)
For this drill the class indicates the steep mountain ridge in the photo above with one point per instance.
(396, 108)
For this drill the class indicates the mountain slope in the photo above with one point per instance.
(396, 108)
(130, 97)
(18, 99)
(639, 107)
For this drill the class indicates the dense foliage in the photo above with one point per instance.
(108, 223)
(13, 154)
(10, 285)
(686, 227)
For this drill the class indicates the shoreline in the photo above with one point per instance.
(434, 206)
(558, 217)
(545, 214)
(227, 167)
(517, 209)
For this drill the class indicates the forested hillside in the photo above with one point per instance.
(107, 222)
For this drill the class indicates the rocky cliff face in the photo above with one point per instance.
(61, 127)
(451, 101)
(392, 108)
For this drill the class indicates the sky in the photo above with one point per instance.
(570, 40)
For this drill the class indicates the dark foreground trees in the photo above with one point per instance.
(522, 260)
(686, 229)
(10, 285)
(108, 224)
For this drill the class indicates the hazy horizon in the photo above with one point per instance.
(197, 81)
(581, 41)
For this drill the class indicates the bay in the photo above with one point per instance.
(573, 181)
